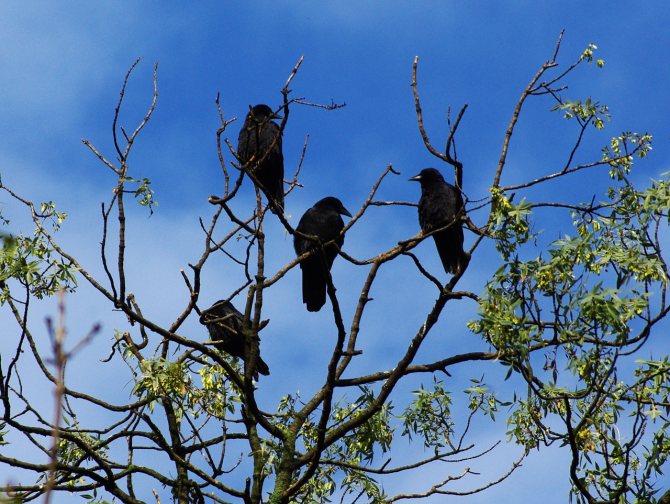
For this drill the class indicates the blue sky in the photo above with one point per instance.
(62, 68)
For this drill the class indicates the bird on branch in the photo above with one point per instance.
(259, 149)
(441, 206)
(324, 222)
(226, 328)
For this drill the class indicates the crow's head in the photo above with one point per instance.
(428, 176)
(218, 311)
(334, 204)
(261, 113)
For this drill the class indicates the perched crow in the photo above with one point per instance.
(322, 220)
(224, 324)
(441, 205)
(254, 143)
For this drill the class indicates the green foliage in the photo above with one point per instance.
(352, 453)
(569, 278)
(481, 399)
(320, 487)
(159, 379)
(217, 397)
(72, 453)
(524, 427)
(582, 303)
(620, 152)
(144, 194)
(49, 214)
(360, 483)
(362, 442)
(33, 262)
(163, 380)
(375, 433)
(93, 498)
(509, 224)
(429, 416)
(587, 111)
(588, 53)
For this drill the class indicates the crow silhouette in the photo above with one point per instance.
(441, 206)
(266, 161)
(225, 325)
(323, 221)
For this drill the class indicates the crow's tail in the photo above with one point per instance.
(450, 247)
(313, 284)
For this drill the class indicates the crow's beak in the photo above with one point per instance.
(415, 178)
(344, 211)
(275, 115)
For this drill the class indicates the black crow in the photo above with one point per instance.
(225, 326)
(441, 205)
(322, 220)
(254, 144)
